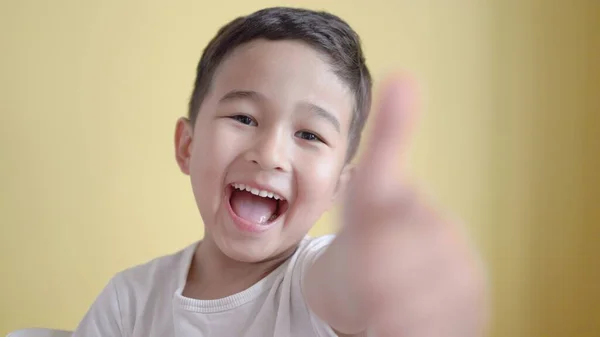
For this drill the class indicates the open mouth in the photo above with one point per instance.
(256, 206)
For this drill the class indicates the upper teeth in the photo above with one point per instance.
(256, 191)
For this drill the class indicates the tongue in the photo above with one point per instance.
(252, 207)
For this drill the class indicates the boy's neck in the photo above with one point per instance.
(214, 275)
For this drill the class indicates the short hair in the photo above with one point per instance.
(323, 31)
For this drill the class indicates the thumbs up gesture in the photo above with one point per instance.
(398, 267)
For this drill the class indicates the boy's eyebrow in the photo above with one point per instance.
(237, 94)
(317, 110)
(256, 96)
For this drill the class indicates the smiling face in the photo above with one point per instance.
(266, 155)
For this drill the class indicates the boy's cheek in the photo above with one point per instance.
(319, 186)
(326, 177)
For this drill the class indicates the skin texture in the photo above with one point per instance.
(398, 266)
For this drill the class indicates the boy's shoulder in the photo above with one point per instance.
(313, 245)
(123, 302)
(308, 250)
(167, 270)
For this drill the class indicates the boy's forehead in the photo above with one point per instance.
(276, 61)
(283, 71)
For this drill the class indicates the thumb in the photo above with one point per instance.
(389, 139)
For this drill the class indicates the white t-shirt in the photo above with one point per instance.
(147, 301)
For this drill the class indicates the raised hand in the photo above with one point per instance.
(413, 271)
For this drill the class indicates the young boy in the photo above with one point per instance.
(279, 104)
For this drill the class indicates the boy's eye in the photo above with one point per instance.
(245, 120)
(308, 136)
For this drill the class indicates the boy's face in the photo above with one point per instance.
(275, 119)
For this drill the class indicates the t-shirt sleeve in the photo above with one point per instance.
(311, 252)
(103, 318)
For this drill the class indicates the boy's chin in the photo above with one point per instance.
(248, 251)
(254, 251)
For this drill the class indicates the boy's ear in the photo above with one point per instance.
(183, 144)
(344, 180)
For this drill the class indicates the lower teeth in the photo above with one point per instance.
(275, 214)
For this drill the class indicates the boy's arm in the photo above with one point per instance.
(397, 267)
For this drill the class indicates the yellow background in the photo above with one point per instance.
(90, 91)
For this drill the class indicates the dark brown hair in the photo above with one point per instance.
(323, 31)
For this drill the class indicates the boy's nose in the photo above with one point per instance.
(270, 152)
